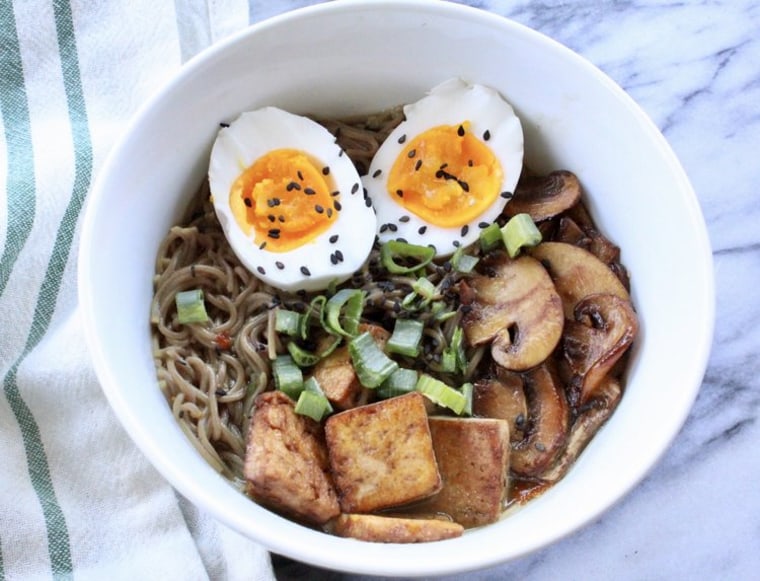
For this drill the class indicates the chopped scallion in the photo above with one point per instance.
(190, 307)
(406, 337)
(520, 231)
(467, 390)
(424, 288)
(343, 312)
(440, 393)
(287, 376)
(463, 262)
(301, 356)
(490, 237)
(400, 382)
(372, 366)
(393, 250)
(288, 322)
(313, 404)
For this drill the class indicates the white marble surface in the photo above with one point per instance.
(694, 67)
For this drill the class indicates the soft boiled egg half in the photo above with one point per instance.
(448, 169)
(289, 200)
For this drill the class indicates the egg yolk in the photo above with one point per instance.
(284, 200)
(446, 175)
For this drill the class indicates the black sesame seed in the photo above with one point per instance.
(337, 205)
(274, 233)
(486, 135)
(261, 269)
(300, 175)
(403, 240)
(418, 165)
(248, 202)
(329, 212)
(365, 193)
(460, 131)
(392, 227)
(340, 153)
(456, 244)
(377, 173)
(464, 230)
(293, 186)
(333, 239)
(279, 265)
(400, 193)
(412, 153)
(422, 229)
(339, 255)
(335, 194)
(506, 195)
(333, 259)
(318, 209)
(368, 203)
(383, 228)
(281, 218)
(403, 219)
(305, 271)
(483, 225)
(464, 185)
(263, 245)
(355, 188)
(224, 124)
(444, 166)
(309, 191)
(271, 218)
(470, 162)
(402, 138)
(326, 170)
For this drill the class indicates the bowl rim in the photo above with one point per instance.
(280, 542)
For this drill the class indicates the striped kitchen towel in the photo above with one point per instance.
(77, 499)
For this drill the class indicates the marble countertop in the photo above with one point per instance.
(694, 67)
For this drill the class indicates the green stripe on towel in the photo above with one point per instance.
(20, 184)
(57, 530)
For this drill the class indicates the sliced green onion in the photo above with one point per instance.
(191, 307)
(313, 404)
(520, 231)
(395, 249)
(372, 366)
(316, 310)
(463, 262)
(448, 361)
(287, 376)
(490, 237)
(343, 312)
(424, 288)
(406, 337)
(400, 382)
(301, 356)
(441, 394)
(453, 357)
(288, 322)
(467, 390)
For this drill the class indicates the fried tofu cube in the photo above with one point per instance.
(381, 454)
(473, 458)
(286, 462)
(386, 529)
(335, 373)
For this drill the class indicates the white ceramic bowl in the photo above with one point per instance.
(349, 57)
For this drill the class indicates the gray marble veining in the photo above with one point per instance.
(694, 67)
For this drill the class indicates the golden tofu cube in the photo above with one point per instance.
(381, 455)
(386, 529)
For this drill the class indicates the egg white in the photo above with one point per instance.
(332, 255)
(450, 103)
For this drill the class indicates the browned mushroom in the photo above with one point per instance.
(516, 307)
(604, 327)
(546, 196)
(585, 427)
(502, 397)
(576, 273)
(548, 423)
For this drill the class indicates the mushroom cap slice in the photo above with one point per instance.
(604, 328)
(546, 196)
(502, 397)
(518, 309)
(577, 273)
(548, 423)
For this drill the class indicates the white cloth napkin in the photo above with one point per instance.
(77, 499)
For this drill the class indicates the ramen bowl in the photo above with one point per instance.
(345, 58)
